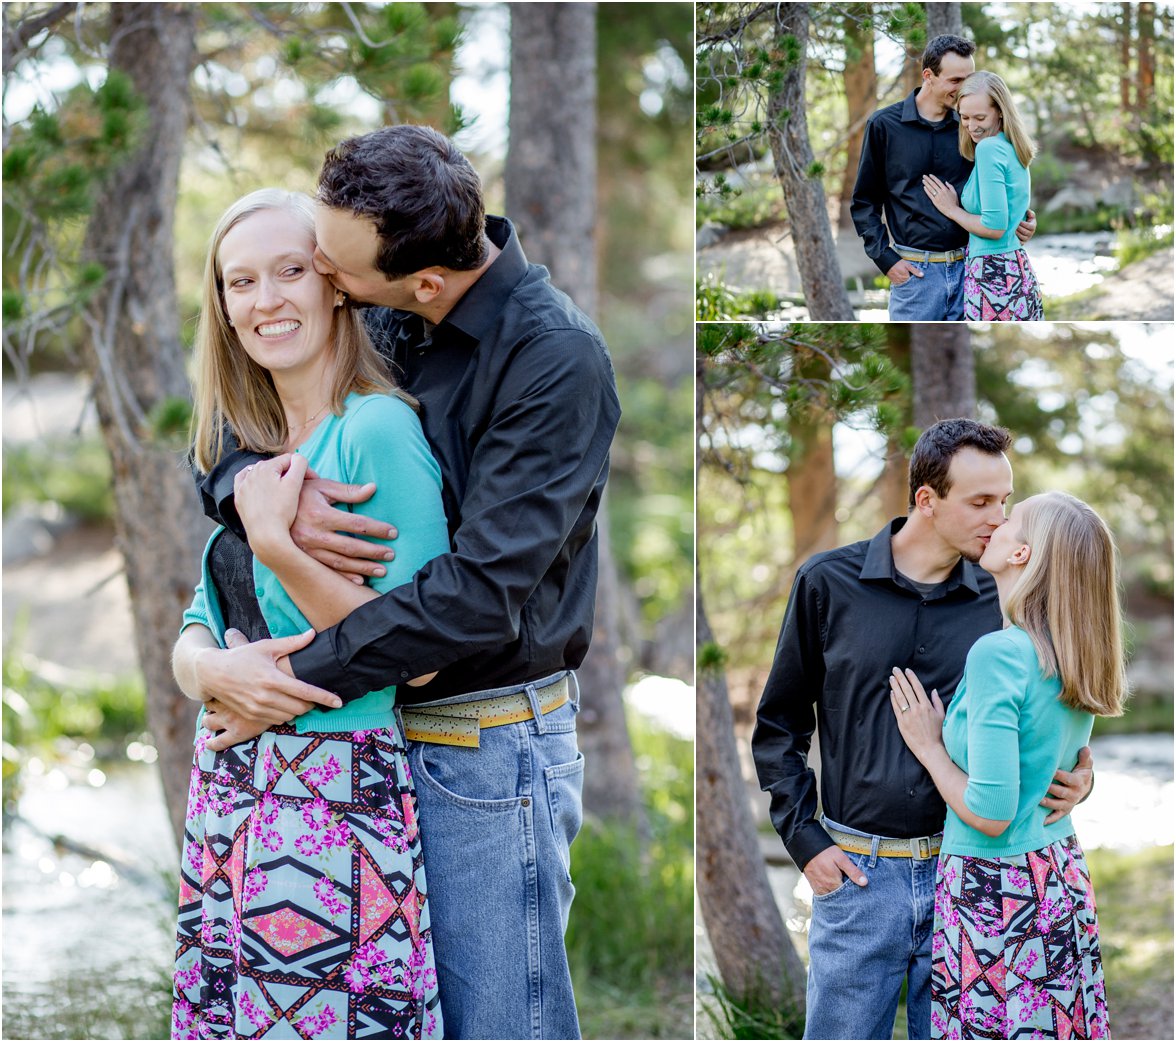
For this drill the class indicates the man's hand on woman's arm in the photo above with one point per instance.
(319, 526)
(245, 687)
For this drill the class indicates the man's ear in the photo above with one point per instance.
(430, 286)
(924, 500)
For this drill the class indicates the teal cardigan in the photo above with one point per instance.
(1007, 729)
(998, 190)
(378, 438)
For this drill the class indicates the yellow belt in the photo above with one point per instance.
(933, 258)
(460, 723)
(920, 847)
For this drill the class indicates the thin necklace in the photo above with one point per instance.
(299, 426)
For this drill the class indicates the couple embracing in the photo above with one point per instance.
(386, 781)
(953, 666)
(948, 168)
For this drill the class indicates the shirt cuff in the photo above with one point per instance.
(318, 664)
(887, 260)
(995, 802)
(807, 842)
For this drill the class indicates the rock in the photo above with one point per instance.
(1072, 198)
(709, 235)
(1118, 193)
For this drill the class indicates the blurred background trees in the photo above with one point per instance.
(127, 130)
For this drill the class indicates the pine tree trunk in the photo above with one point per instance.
(892, 486)
(943, 372)
(755, 956)
(944, 19)
(137, 361)
(861, 95)
(812, 482)
(1147, 58)
(551, 198)
(1125, 36)
(804, 196)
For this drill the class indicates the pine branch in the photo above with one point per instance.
(18, 35)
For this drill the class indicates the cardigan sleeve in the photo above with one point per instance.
(992, 177)
(383, 442)
(997, 675)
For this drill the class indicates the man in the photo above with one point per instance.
(911, 597)
(518, 402)
(919, 250)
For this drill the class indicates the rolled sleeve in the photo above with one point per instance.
(996, 679)
(992, 176)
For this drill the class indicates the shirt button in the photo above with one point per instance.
(404, 674)
(922, 648)
(911, 792)
(260, 592)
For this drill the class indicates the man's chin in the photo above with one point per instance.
(972, 555)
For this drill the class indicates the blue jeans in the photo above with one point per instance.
(936, 297)
(496, 824)
(863, 941)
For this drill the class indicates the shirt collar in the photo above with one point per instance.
(879, 562)
(910, 112)
(481, 304)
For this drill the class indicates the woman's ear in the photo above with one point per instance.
(1020, 557)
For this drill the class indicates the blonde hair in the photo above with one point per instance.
(1067, 600)
(990, 83)
(231, 388)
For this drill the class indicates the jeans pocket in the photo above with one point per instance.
(846, 883)
(486, 777)
(565, 788)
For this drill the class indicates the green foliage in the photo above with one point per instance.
(170, 421)
(73, 472)
(41, 707)
(711, 657)
(633, 970)
(750, 207)
(715, 301)
(748, 1016)
(1136, 243)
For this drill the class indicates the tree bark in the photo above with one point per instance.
(892, 485)
(861, 94)
(1147, 58)
(804, 196)
(812, 482)
(943, 372)
(944, 19)
(755, 956)
(551, 198)
(137, 361)
(1125, 36)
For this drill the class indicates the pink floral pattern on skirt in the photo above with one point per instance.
(1001, 287)
(1015, 953)
(303, 908)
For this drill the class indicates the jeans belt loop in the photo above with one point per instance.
(921, 848)
(574, 680)
(533, 698)
(874, 851)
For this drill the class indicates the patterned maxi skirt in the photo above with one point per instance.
(1015, 952)
(303, 910)
(1001, 287)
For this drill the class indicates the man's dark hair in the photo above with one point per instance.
(937, 48)
(938, 444)
(421, 192)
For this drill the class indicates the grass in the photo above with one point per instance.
(1134, 895)
(748, 207)
(630, 940)
(715, 301)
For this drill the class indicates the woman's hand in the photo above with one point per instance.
(943, 197)
(266, 496)
(920, 719)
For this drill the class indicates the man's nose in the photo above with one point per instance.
(321, 264)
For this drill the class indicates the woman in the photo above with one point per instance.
(999, 284)
(1015, 952)
(303, 910)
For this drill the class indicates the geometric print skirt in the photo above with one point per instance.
(1015, 952)
(303, 909)
(1001, 287)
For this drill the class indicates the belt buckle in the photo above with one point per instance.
(921, 848)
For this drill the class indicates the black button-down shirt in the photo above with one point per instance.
(519, 404)
(851, 618)
(900, 146)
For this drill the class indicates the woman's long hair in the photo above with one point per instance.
(990, 83)
(231, 388)
(1067, 600)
